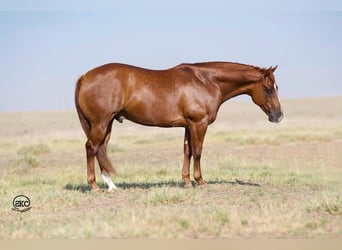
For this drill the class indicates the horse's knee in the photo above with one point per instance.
(197, 153)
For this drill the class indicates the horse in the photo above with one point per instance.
(187, 95)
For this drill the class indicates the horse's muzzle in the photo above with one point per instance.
(275, 116)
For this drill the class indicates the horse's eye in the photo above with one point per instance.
(268, 90)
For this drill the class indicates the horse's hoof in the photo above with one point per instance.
(202, 184)
(97, 189)
(188, 185)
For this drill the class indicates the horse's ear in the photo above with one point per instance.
(273, 68)
(270, 70)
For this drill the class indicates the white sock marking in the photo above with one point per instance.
(108, 181)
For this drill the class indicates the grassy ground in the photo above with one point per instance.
(265, 180)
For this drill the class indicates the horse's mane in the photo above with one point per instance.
(231, 71)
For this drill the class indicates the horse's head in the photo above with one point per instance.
(265, 95)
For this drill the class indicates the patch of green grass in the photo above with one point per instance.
(143, 141)
(244, 222)
(166, 196)
(29, 160)
(28, 155)
(38, 180)
(314, 225)
(184, 223)
(35, 149)
(329, 203)
(115, 149)
(249, 172)
(279, 136)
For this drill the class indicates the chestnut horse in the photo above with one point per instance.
(188, 95)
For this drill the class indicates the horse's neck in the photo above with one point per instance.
(232, 89)
(234, 81)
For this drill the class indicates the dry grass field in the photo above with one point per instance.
(265, 180)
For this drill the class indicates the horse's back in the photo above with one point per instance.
(145, 96)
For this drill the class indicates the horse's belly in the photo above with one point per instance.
(152, 115)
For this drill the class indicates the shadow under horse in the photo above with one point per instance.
(148, 185)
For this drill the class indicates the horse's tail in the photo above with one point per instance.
(85, 123)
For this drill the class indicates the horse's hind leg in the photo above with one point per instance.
(96, 137)
(104, 163)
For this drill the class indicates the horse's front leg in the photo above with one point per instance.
(187, 158)
(197, 134)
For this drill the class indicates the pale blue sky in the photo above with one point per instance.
(43, 53)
